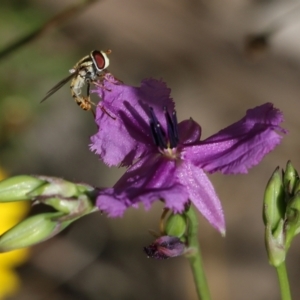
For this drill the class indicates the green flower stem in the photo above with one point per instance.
(195, 258)
(283, 282)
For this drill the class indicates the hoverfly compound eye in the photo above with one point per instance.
(100, 60)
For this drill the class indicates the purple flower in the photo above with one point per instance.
(138, 128)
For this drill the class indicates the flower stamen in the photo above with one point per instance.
(172, 128)
(159, 136)
(161, 140)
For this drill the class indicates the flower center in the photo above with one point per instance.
(166, 142)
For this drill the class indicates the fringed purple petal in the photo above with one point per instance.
(122, 117)
(147, 181)
(240, 146)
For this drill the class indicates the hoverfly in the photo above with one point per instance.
(86, 71)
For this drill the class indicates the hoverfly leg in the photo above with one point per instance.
(113, 80)
(117, 80)
(88, 90)
(82, 102)
(100, 84)
(106, 112)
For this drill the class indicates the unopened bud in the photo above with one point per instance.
(32, 230)
(165, 247)
(297, 187)
(72, 207)
(64, 196)
(292, 224)
(59, 187)
(176, 225)
(273, 216)
(274, 201)
(17, 188)
(290, 178)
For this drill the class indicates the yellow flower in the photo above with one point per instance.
(10, 214)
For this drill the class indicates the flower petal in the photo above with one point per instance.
(189, 131)
(202, 194)
(240, 146)
(123, 120)
(150, 179)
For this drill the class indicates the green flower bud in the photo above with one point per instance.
(71, 207)
(33, 230)
(275, 244)
(71, 202)
(273, 216)
(17, 188)
(297, 186)
(292, 224)
(274, 201)
(176, 225)
(64, 196)
(59, 187)
(290, 178)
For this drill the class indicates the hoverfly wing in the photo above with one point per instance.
(58, 86)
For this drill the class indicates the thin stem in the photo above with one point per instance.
(195, 257)
(61, 17)
(283, 282)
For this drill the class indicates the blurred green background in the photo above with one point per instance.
(196, 46)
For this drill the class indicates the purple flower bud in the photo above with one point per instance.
(165, 247)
